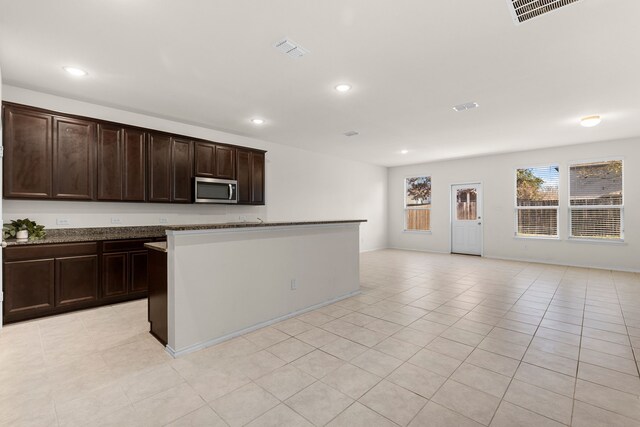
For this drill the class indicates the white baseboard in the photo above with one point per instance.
(209, 343)
(374, 249)
(535, 261)
(566, 264)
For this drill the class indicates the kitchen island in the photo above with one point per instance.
(224, 280)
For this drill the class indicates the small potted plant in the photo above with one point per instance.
(23, 229)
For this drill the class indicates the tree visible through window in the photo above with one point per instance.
(417, 204)
(537, 201)
(596, 200)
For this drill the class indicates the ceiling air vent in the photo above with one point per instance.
(466, 106)
(291, 48)
(524, 10)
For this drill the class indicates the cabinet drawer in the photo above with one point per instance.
(19, 253)
(124, 245)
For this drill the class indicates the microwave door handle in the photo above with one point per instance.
(230, 192)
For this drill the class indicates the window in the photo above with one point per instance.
(467, 204)
(417, 204)
(596, 200)
(537, 201)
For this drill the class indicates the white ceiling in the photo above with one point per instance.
(213, 63)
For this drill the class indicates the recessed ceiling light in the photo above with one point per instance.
(343, 87)
(404, 151)
(590, 121)
(75, 71)
(257, 121)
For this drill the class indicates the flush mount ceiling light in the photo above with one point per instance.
(75, 71)
(343, 87)
(257, 121)
(404, 151)
(466, 106)
(590, 121)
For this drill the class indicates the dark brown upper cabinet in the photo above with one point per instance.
(121, 163)
(50, 155)
(27, 156)
(73, 158)
(225, 162)
(205, 159)
(159, 168)
(170, 169)
(181, 170)
(110, 159)
(135, 171)
(214, 161)
(250, 175)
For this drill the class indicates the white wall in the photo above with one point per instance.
(497, 174)
(223, 282)
(300, 185)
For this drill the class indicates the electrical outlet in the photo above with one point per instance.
(294, 284)
(116, 220)
(163, 220)
(63, 221)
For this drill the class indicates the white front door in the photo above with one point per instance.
(466, 219)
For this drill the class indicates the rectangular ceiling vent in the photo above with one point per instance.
(466, 106)
(291, 48)
(524, 10)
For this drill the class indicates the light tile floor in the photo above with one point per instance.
(433, 340)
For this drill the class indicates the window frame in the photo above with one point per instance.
(517, 208)
(404, 203)
(570, 236)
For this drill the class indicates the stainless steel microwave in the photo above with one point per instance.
(211, 190)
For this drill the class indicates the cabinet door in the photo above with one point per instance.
(138, 280)
(205, 155)
(244, 176)
(27, 156)
(181, 168)
(257, 178)
(76, 280)
(225, 162)
(28, 287)
(134, 165)
(114, 274)
(159, 168)
(73, 158)
(109, 162)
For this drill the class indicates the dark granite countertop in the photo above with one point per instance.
(72, 235)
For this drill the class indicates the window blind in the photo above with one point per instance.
(596, 200)
(537, 201)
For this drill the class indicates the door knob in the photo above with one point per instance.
(479, 223)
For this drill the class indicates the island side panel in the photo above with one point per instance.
(229, 280)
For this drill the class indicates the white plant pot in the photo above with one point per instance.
(22, 235)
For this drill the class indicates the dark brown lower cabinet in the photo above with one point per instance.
(158, 295)
(114, 274)
(124, 272)
(138, 271)
(41, 280)
(76, 280)
(31, 287)
(48, 279)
